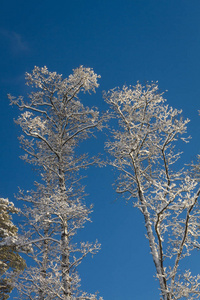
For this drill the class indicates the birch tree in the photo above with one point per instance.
(144, 151)
(54, 122)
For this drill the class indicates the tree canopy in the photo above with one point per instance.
(144, 151)
(54, 122)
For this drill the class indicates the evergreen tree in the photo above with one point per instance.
(10, 260)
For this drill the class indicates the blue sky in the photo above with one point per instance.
(124, 41)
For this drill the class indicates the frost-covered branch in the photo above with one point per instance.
(54, 122)
(144, 152)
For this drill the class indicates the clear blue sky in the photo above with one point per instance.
(124, 41)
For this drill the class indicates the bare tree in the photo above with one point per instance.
(144, 152)
(54, 122)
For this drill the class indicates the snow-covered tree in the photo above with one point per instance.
(54, 122)
(195, 167)
(10, 260)
(144, 150)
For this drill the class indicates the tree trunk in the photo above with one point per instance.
(65, 263)
(44, 264)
